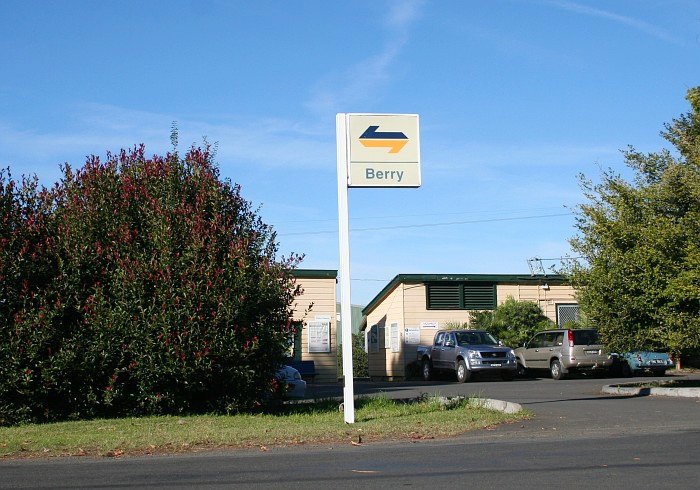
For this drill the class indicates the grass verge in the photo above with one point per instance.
(376, 419)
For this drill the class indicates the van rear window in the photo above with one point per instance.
(585, 337)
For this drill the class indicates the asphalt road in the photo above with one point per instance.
(579, 438)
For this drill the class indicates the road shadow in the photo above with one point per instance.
(587, 398)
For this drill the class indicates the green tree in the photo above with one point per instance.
(138, 285)
(639, 280)
(513, 322)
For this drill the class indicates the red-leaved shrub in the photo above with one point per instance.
(137, 286)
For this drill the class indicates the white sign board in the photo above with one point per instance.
(383, 150)
(395, 341)
(429, 325)
(319, 336)
(411, 336)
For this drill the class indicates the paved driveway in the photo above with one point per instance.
(570, 407)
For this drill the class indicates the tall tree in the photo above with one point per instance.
(639, 282)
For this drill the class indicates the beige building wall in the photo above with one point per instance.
(381, 361)
(547, 297)
(319, 295)
(406, 306)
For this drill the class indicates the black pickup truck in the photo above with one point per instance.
(466, 352)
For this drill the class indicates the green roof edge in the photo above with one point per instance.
(495, 278)
(315, 273)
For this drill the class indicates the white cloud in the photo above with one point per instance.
(403, 14)
(637, 24)
(96, 129)
(352, 88)
(515, 47)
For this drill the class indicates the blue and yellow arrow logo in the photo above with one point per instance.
(372, 138)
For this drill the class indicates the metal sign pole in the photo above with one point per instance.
(344, 238)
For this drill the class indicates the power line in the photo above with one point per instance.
(428, 225)
(422, 215)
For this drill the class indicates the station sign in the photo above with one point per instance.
(383, 150)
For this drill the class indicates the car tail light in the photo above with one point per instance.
(571, 338)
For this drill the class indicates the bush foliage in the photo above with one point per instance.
(359, 357)
(137, 286)
(513, 322)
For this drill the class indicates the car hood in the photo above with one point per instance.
(484, 347)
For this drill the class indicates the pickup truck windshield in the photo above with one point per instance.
(475, 338)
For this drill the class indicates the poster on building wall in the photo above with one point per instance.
(394, 332)
(411, 336)
(429, 325)
(320, 336)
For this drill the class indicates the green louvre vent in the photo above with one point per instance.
(444, 297)
(461, 296)
(479, 297)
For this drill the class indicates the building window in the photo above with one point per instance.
(373, 338)
(461, 296)
(376, 338)
(567, 314)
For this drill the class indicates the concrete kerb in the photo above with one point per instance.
(633, 389)
(488, 403)
(500, 405)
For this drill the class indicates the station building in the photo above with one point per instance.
(412, 307)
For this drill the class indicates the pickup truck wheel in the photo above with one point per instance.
(463, 374)
(555, 370)
(427, 370)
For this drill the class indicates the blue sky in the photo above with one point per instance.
(515, 98)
